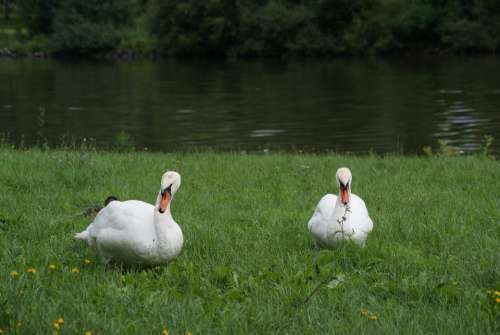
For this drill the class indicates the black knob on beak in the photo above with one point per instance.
(168, 189)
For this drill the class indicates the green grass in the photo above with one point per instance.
(249, 263)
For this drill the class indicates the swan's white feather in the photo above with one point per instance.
(126, 231)
(327, 231)
(333, 221)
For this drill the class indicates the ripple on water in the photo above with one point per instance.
(445, 134)
(266, 132)
(465, 120)
(456, 111)
(445, 91)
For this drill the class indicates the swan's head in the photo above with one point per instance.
(344, 181)
(170, 183)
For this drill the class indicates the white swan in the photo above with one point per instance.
(137, 232)
(340, 218)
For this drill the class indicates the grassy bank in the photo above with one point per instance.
(249, 263)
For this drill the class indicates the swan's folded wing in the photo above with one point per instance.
(359, 206)
(124, 215)
(323, 211)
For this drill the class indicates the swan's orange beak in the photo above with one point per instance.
(165, 200)
(344, 194)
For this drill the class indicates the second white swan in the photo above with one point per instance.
(342, 217)
(137, 232)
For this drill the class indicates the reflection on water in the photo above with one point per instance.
(343, 105)
(459, 123)
(265, 132)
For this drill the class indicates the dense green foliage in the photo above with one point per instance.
(267, 27)
(430, 266)
(37, 15)
(195, 26)
(89, 25)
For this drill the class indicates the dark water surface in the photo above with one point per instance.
(343, 105)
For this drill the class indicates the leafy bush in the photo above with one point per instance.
(138, 40)
(37, 15)
(265, 27)
(277, 28)
(194, 27)
(83, 26)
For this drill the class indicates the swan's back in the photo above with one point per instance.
(130, 219)
(122, 215)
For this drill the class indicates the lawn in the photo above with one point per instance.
(249, 266)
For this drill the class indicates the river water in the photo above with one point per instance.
(384, 106)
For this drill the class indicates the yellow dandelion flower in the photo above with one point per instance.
(497, 300)
(189, 333)
(52, 266)
(56, 325)
(14, 274)
(497, 293)
(88, 332)
(31, 271)
(60, 320)
(364, 312)
(373, 317)
(87, 261)
(75, 270)
(489, 291)
(164, 332)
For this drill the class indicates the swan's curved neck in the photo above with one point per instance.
(341, 217)
(162, 221)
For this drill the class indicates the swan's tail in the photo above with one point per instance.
(109, 199)
(84, 236)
